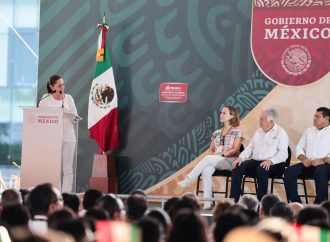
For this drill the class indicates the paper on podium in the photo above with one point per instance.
(73, 116)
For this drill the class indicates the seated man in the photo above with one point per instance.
(265, 154)
(313, 151)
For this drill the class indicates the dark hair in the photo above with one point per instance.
(325, 111)
(151, 229)
(136, 207)
(11, 197)
(282, 210)
(59, 216)
(187, 226)
(91, 197)
(77, 228)
(52, 81)
(227, 222)
(40, 198)
(109, 204)
(71, 201)
(314, 215)
(268, 201)
(15, 215)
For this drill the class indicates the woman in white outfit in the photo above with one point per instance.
(225, 147)
(57, 98)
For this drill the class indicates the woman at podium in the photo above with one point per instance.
(56, 98)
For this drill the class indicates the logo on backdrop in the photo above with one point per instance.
(290, 41)
(102, 95)
(173, 92)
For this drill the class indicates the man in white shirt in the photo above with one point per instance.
(43, 200)
(313, 151)
(265, 154)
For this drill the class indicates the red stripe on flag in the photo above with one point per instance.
(105, 131)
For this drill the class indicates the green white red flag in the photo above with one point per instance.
(103, 101)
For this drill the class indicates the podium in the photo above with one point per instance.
(42, 146)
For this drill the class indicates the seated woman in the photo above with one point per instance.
(225, 146)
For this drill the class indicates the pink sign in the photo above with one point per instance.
(291, 40)
(173, 92)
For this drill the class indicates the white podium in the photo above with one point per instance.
(42, 146)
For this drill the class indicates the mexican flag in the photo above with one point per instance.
(116, 231)
(103, 102)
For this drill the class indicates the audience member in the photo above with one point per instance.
(111, 205)
(296, 207)
(71, 201)
(136, 207)
(188, 226)
(250, 201)
(15, 215)
(248, 234)
(161, 216)
(90, 199)
(314, 215)
(77, 228)
(10, 197)
(227, 222)
(220, 209)
(267, 202)
(326, 206)
(60, 216)
(43, 200)
(282, 210)
(151, 229)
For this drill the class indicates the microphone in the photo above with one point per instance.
(45, 97)
(62, 99)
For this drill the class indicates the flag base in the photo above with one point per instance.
(104, 177)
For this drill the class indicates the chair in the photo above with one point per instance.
(304, 178)
(277, 175)
(219, 173)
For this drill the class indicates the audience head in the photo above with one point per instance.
(77, 228)
(11, 197)
(220, 209)
(113, 206)
(91, 197)
(268, 117)
(267, 202)
(136, 207)
(44, 199)
(250, 201)
(326, 206)
(296, 207)
(162, 217)
(60, 216)
(139, 192)
(71, 201)
(15, 215)
(321, 117)
(151, 229)
(188, 226)
(185, 202)
(248, 234)
(282, 210)
(170, 204)
(227, 222)
(314, 215)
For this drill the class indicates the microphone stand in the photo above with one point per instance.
(44, 98)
